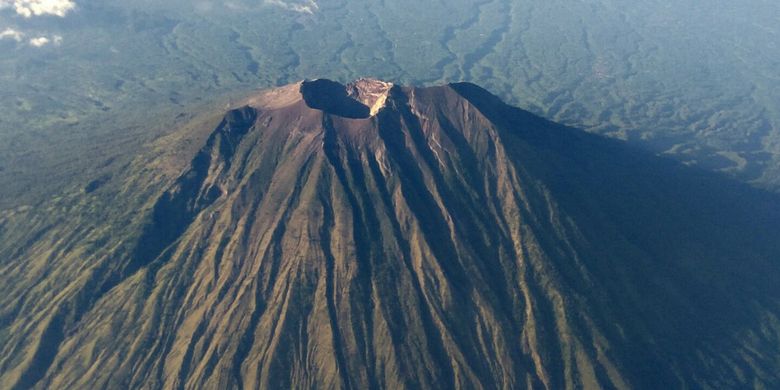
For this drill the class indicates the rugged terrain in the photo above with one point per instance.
(379, 236)
(695, 81)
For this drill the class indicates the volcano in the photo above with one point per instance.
(372, 235)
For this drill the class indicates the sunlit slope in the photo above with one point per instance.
(443, 240)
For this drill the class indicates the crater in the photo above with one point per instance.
(362, 98)
(372, 93)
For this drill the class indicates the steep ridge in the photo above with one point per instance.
(440, 239)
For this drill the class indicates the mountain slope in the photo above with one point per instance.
(376, 236)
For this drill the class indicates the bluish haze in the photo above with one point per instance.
(82, 81)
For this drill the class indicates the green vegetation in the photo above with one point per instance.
(692, 80)
(96, 128)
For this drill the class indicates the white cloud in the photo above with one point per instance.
(233, 6)
(10, 33)
(39, 41)
(35, 41)
(29, 8)
(306, 8)
(43, 40)
(300, 6)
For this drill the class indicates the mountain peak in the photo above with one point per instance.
(451, 241)
(362, 98)
(371, 92)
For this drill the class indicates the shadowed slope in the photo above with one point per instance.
(448, 241)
